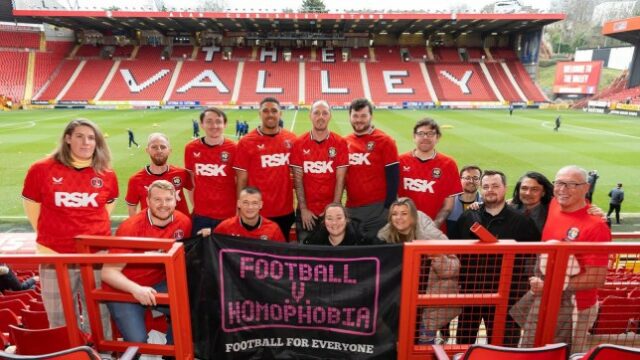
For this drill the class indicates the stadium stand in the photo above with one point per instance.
(140, 80)
(58, 80)
(13, 81)
(200, 72)
(502, 81)
(447, 54)
(530, 89)
(48, 62)
(407, 82)
(88, 51)
(338, 82)
(20, 39)
(89, 80)
(263, 79)
(460, 82)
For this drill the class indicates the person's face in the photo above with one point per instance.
(401, 218)
(531, 192)
(335, 221)
(213, 124)
(249, 206)
(82, 142)
(361, 120)
(159, 151)
(425, 138)
(270, 115)
(493, 190)
(470, 180)
(569, 189)
(320, 117)
(162, 203)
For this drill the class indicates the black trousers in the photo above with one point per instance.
(616, 208)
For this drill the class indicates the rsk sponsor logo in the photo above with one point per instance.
(75, 199)
(274, 160)
(210, 169)
(318, 167)
(359, 159)
(419, 185)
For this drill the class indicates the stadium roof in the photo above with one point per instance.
(627, 30)
(267, 22)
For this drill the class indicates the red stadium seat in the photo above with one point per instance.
(33, 292)
(7, 317)
(616, 315)
(35, 305)
(34, 319)
(635, 293)
(603, 293)
(39, 341)
(491, 352)
(77, 353)
(14, 305)
(612, 352)
(24, 297)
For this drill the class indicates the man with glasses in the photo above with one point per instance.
(571, 221)
(263, 163)
(481, 273)
(469, 179)
(428, 177)
(249, 223)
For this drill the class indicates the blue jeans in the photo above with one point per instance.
(129, 317)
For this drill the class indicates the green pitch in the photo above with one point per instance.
(489, 138)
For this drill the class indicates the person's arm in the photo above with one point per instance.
(307, 217)
(133, 209)
(242, 177)
(32, 210)
(193, 189)
(392, 175)
(592, 277)
(341, 173)
(112, 275)
(110, 206)
(445, 210)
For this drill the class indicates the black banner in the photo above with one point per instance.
(261, 300)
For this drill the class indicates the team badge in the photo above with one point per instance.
(176, 181)
(196, 154)
(224, 156)
(96, 182)
(572, 234)
(179, 234)
(287, 144)
(57, 181)
(264, 237)
(370, 146)
(260, 146)
(436, 173)
(406, 168)
(332, 152)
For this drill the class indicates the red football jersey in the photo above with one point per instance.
(369, 154)
(266, 230)
(140, 181)
(319, 161)
(578, 226)
(140, 225)
(428, 182)
(214, 177)
(265, 158)
(72, 202)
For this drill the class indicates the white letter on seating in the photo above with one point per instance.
(326, 89)
(328, 56)
(462, 83)
(393, 77)
(273, 53)
(210, 50)
(260, 86)
(133, 85)
(212, 81)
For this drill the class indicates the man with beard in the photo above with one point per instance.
(372, 179)
(159, 149)
(319, 160)
(481, 273)
(263, 163)
(469, 179)
(144, 281)
(531, 197)
(248, 223)
(428, 177)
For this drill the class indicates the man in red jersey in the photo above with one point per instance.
(372, 179)
(248, 223)
(210, 161)
(428, 177)
(263, 162)
(70, 193)
(568, 220)
(159, 149)
(144, 281)
(319, 160)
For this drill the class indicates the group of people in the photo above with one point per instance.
(242, 128)
(246, 189)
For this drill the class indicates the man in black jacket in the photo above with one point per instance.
(481, 273)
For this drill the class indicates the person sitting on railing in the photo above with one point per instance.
(406, 224)
(144, 281)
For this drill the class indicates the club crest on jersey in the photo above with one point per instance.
(370, 146)
(332, 152)
(224, 156)
(572, 234)
(96, 182)
(176, 181)
(57, 181)
(436, 173)
(178, 234)
(196, 154)
(287, 144)
(260, 146)
(264, 237)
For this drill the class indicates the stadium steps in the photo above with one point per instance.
(513, 81)
(372, 54)
(427, 80)
(72, 79)
(194, 53)
(301, 82)
(492, 83)
(530, 89)
(89, 80)
(365, 80)
(31, 70)
(107, 80)
(430, 55)
(174, 80)
(237, 83)
(487, 53)
(43, 42)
